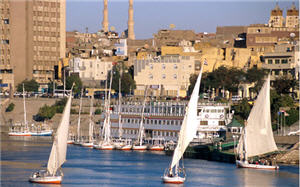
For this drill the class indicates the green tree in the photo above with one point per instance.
(50, 86)
(284, 84)
(74, 79)
(256, 76)
(10, 107)
(293, 116)
(29, 86)
(45, 112)
(193, 79)
(242, 110)
(60, 105)
(127, 81)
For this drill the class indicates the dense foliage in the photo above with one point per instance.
(229, 79)
(98, 111)
(29, 86)
(127, 81)
(77, 86)
(10, 107)
(47, 112)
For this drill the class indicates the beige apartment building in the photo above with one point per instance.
(32, 39)
(91, 70)
(283, 61)
(164, 75)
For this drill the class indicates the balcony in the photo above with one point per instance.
(279, 66)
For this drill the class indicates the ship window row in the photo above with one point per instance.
(152, 121)
(178, 110)
(165, 133)
(154, 133)
(211, 110)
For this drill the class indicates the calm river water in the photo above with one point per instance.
(20, 156)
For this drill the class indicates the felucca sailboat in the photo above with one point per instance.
(122, 144)
(257, 136)
(57, 157)
(20, 129)
(90, 141)
(139, 146)
(77, 141)
(106, 144)
(175, 174)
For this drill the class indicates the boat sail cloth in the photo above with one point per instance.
(59, 148)
(189, 125)
(259, 137)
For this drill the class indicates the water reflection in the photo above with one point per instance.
(89, 167)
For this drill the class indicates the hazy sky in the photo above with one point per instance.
(153, 15)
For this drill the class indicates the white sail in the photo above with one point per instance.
(59, 148)
(119, 110)
(257, 137)
(107, 123)
(189, 125)
(91, 125)
(78, 124)
(141, 129)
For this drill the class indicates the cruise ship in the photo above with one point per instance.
(162, 120)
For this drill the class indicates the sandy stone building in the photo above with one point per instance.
(276, 18)
(292, 17)
(283, 61)
(164, 75)
(91, 70)
(32, 38)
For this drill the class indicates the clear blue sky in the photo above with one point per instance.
(153, 15)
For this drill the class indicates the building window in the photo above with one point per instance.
(5, 42)
(6, 21)
(175, 76)
(150, 76)
(175, 66)
(277, 61)
(151, 66)
(284, 61)
(164, 76)
(203, 122)
(163, 66)
(270, 61)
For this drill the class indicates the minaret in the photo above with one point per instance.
(130, 21)
(276, 18)
(292, 15)
(105, 17)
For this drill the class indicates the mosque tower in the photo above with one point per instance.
(276, 18)
(130, 21)
(105, 17)
(292, 17)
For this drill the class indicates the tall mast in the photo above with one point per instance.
(107, 125)
(25, 119)
(78, 124)
(91, 122)
(120, 95)
(141, 130)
